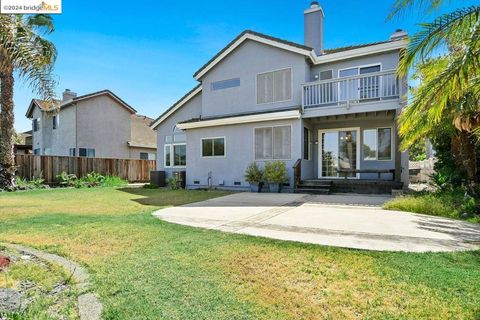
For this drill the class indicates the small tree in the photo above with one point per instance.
(276, 172)
(253, 174)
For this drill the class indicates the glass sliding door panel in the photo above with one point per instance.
(347, 151)
(329, 154)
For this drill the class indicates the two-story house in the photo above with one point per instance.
(330, 113)
(98, 124)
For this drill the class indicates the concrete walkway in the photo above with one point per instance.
(351, 221)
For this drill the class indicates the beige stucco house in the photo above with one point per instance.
(98, 124)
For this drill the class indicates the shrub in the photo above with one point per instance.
(452, 204)
(114, 181)
(174, 182)
(253, 174)
(93, 179)
(35, 183)
(276, 172)
(67, 179)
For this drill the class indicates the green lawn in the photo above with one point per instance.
(144, 268)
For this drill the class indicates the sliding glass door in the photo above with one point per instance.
(339, 151)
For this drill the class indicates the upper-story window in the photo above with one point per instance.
(225, 84)
(274, 86)
(36, 124)
(55, 121)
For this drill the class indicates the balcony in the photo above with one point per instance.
(363, 88)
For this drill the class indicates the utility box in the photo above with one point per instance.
(182, 175)
(157, 178)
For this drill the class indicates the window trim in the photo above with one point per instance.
(320, 72)
(359, 67)
(273, 151)
(376, 142)
(212, 138)
(172, 162)
(310, 144)
(36, 124)
(212, 84)
(256, 86)
(55, 121)
(165, 158)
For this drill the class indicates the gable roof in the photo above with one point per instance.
(329, 55)
(177, 105)
(255, 36)
(63, 104)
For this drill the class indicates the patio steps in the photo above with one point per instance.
(314, 187)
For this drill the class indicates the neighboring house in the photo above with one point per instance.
(24, 143)
(262, 98)
(98, 124)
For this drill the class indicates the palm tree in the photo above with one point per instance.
(446, 54)
(22, 50)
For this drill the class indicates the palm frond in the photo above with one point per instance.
(401, 6)
(446, 29)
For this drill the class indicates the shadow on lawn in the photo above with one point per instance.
(163, 197)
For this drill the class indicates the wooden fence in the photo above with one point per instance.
(48, 167)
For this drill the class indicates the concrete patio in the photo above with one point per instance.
(350, 221)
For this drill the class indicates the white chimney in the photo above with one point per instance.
(398, 34)
(68, 95)
(313, 27)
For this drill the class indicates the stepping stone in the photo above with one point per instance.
(10, 300)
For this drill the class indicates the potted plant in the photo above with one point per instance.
(276, 175)
(254, 176)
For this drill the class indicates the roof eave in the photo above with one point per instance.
(255, 37)
(359, 52)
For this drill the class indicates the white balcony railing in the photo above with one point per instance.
(355, 89)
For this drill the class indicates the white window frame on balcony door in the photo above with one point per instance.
(270, 71)
(320, 158)
(358, 74)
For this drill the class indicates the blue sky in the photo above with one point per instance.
(147, 51)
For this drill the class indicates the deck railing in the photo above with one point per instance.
(356, 89)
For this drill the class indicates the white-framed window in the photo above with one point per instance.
(377, 144)
(86, 152)
(213, 147)
(71, 152)
(274, 86)
(147, 156)
(307, 144)
(36, 124)
(55, 121)
(273, 143)
(326, 75)
(175, 155)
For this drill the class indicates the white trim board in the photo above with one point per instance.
(178, 106)
(359, 52)
(272, 116)
(248, 36)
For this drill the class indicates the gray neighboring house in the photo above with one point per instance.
(262, 98)
(98, 124)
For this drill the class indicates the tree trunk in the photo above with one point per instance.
(7, 159)
(464, 153)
